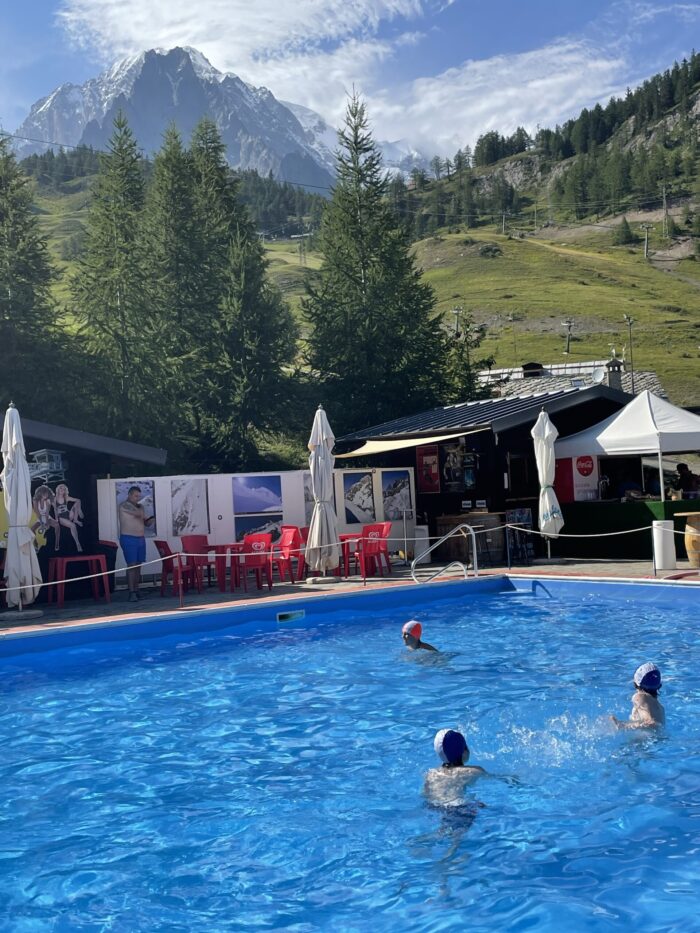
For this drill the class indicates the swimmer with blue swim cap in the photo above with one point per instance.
(411, 633)
(647, 711)
(444, 785)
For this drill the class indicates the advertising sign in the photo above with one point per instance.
(427, 469)
(585, 474)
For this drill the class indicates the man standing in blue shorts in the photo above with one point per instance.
(132, 525)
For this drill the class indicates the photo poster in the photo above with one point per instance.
(57, 519)
(396, 494)
(457, 466)
(189, 506)
(427, 469)
(258, 524)
(257, 494)
(148, 501)
(358, 498)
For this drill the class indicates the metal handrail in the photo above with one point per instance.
(455, 563)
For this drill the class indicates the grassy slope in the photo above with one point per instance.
(522, 296)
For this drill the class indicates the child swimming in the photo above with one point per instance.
(444, 786)
(411, 633)
(647, 711)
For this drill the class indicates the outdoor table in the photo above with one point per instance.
(96, 564)
(692, 536)
(345, 541)
(221, 552)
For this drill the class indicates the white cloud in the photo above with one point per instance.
(313, 52)
(543, 86)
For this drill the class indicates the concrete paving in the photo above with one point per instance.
(83, 612)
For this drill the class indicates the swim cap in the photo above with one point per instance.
(451, 746)
(413, 628)
(647, 676)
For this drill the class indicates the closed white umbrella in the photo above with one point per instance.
(322, 548)
(21, 564)
(543, 435)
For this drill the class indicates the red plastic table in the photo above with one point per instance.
(345, 542)
(96, 563)
(222, 551)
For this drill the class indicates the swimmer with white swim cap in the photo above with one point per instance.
(647, 711)
(444, 785)
(411, 633)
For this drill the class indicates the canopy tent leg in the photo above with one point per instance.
(661, 477)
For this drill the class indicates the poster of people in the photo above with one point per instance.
(57, 519)
(457, 466)
(147, 500)
(257, 494)
(358, 498)
(396, 494)
(427, 469)
(258, 524)
(190, 506)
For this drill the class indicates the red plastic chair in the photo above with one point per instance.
(193, 545)
(301, 565)
(170, 566)
(256, 556)
(384, 546)
(287, 549)
(368, 550)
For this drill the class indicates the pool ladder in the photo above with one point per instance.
(460, 529)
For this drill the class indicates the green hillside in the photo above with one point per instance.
(521, 291)
(524, 292)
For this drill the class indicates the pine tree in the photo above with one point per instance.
(255, 334)
(28, 317)
(239, 333)
(111, 298)
(171, 235)
(622, 234)
(375, 342)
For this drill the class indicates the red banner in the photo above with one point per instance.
(427, 469)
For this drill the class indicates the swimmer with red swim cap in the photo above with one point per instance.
(444, 785)
(411, 633)
(647, 711)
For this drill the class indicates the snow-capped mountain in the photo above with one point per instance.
(399, 156)
(160, 87)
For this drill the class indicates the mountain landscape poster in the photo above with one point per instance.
(257, 493)
(190, 506)
(396, 494)
(358, 498)
(258, 524)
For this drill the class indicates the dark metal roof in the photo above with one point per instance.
(498, 414)
(56, 436)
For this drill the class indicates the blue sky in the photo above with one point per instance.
(436, 72)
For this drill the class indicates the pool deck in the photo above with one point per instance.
(83, 613)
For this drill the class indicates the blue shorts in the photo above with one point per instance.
(134, 548)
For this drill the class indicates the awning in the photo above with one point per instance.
(369, 448)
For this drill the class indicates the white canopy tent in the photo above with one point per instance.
(648, 425)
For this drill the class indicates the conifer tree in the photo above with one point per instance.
(240, 332)
(111, 296)
(28, 317)
(170, 233)
(375, 341)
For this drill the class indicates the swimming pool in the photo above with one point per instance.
(265, 775)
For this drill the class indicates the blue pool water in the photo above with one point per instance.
(242, 781)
